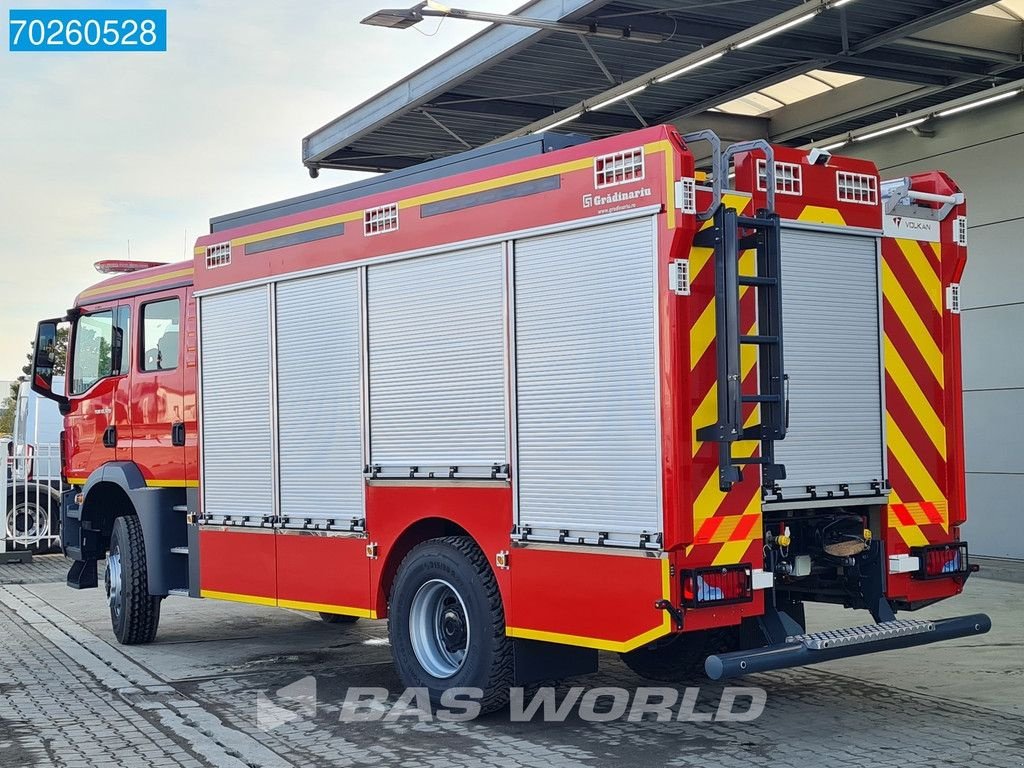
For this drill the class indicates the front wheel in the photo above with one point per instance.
(447, 623)
(134, 613)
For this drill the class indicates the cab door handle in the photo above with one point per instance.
(178, 433)
(110, 437)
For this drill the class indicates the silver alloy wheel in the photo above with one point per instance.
(25, 523)
(439, 628)
(113, 581)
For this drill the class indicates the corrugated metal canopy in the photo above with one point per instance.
(508, 80)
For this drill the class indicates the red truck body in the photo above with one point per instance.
(147, 439)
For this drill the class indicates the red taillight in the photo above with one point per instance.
(717, 586)
(942, 560)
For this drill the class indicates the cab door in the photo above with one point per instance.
(98, 426)
(158, 398)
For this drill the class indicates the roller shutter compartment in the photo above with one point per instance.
(586, 386)
(319, 400)
(831, 327)
(237, 441)
(437, 363)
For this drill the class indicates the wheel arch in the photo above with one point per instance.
(117, 489)
(415, 533)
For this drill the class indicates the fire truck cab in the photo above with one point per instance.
(538, 400)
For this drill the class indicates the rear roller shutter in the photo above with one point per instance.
(830, 314)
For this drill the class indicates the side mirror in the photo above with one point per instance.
(43, 361)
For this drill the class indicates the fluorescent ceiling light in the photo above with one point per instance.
(563, 121)
(890, 129)
(839, 3)
(620, 97)
(778, 29)
(981, 103)
(837, 145)
(690, 67)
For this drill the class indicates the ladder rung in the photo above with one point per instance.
(747, 222)
(762, 398)
(758, 281)
(759, 339)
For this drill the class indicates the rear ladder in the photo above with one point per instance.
(731, 235)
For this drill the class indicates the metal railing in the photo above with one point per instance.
(30, 490)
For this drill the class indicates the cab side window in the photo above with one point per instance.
(160, 338)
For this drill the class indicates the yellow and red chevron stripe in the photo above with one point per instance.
(727, 525)
(912, 293)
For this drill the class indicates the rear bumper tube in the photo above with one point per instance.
(796, 654)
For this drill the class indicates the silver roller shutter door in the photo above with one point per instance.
(586, 387)
(319, 399)
(437, 362)
(830, 315)
(237, 441)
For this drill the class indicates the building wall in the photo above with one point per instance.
(983, 151)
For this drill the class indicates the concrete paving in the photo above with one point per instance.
(69, 695)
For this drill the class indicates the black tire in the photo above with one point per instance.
(134, 613)
(680, 658)
(337, 618)
(35, 515)
(457, 563)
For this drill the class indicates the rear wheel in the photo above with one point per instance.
(680, 658)
(32, 520)
(447, 622)
(134, 613)
(337, 618)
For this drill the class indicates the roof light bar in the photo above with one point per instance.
(890, 129)
(620, 97)
(980, 103)
(689, 67)
(781, 28)
(123, 266)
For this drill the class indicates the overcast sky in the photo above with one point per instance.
(99, 149)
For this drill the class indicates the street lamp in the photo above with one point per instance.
(403, 18)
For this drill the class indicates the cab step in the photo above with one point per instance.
(179, 550)
(178, 592)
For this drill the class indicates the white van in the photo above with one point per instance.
(32, 502)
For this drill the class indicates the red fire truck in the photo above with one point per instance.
(538, 400)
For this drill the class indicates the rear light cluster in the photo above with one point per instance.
(704, 587)
(942, 560)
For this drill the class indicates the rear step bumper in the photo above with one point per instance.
(842, 643)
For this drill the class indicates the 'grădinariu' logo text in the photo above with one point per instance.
(616, 198)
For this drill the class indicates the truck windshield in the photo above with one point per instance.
(91, 355)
